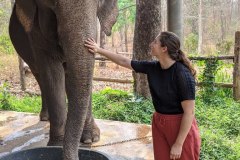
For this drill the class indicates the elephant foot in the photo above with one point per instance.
(44, 116)
(56, 141)
(90, 136)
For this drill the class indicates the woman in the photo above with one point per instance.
(172, 86)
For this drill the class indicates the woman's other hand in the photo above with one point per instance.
(176, 151)
(91, 45)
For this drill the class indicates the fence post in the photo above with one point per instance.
(236, 71)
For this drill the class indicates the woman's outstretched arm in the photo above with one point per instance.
(116, 58)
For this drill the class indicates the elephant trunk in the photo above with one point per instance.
(76, 23)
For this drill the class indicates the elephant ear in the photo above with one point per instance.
(107, 13)
(26, 10)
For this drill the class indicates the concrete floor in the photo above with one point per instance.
(119, 140)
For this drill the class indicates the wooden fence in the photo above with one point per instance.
(236, 71)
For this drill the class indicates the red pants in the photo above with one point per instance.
(165, 130)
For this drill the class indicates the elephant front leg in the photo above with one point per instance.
(78, 87)
(76, 22)
(91, 132)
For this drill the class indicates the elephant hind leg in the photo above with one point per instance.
(44, 115)
(91, 132)
(91, 135)
(54, 91)
(52, 81)
(22, 45)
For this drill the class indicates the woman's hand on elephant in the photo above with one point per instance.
(92, 45)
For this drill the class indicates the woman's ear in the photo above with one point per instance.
(164, 49)
(107, 13)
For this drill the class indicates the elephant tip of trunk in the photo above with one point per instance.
(108, 32)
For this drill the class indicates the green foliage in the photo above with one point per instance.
(208, 79)
(220, 129)
(216, 146)
(6, 44)
(126, 14)
(121, 106)
(4, 97)
(224, 46)
(224, 72)
(1, 12)
(24, 104)
(191, 43)
(5, 10)
(217, 113)
(222, 118)
(114, 95)
(27, 103)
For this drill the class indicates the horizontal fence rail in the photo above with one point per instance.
(191, 58)
(212, 58)
(129, 81)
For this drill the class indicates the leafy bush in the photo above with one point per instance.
(214, 145)
(4, 97)
(208, 79)
(220, 129)
(121, 106)
(6, 44)
(115, 95)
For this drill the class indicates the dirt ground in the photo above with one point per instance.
(9, 73)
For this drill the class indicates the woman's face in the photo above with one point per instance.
(155, 46)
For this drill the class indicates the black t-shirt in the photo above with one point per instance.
(168, 87)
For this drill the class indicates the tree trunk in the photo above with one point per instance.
(113, 44)
(126, 37)
(164, 15)
(200, 29)
(238, 9)
(146, 29)
(102, 45)
(223, 21)
(175, 17)
(122, 39)
(12, 3)
(222, 25)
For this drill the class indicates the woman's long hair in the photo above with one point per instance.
(172, 42)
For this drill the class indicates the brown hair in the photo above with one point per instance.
(172, 42)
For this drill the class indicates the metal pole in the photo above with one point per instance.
(175, 17)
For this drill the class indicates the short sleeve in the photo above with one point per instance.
(142, 66)
(185, 84)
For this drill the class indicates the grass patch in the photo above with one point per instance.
(21, 104)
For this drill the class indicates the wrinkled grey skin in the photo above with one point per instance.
(49, 35)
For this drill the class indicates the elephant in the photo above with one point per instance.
(49, 36)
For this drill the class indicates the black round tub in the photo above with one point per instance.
(52, 153)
